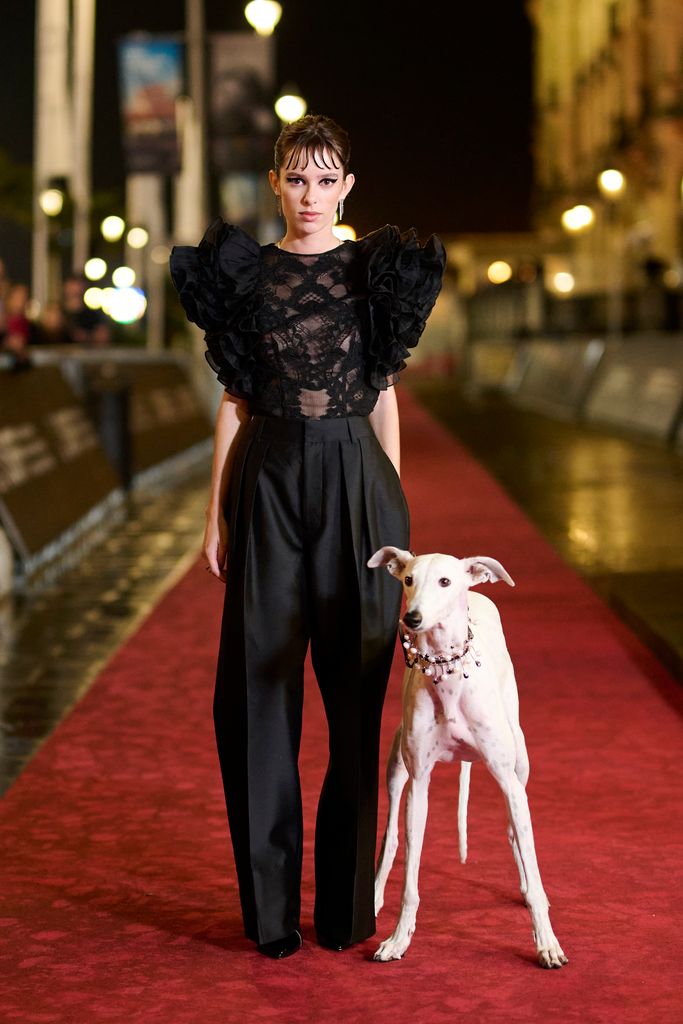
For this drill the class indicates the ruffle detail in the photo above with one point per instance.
(217, 284)
(402, 280)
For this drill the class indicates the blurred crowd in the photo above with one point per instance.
(68, 322)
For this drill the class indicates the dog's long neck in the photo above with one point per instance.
(449, 635)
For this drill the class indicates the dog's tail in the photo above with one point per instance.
(465, 769)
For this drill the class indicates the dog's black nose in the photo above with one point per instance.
(412, 619)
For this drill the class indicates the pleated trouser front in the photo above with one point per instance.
(309, 501)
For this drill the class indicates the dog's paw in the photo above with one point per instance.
(391, 949)
(552, 956)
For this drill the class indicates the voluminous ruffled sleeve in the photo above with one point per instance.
(217, 283)
(402, 281)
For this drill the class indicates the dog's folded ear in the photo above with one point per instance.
(395, 559)
(483, 569)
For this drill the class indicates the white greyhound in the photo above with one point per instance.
(459, 701)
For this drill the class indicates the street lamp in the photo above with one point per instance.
(51, 201)
(578, 218)
(137, 238)
(499, 271)
(263, 15)
(612, 183)
(344, 232)
(112, 228)
(95, 269)
(290, 106)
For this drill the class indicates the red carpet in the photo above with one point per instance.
(117, 895)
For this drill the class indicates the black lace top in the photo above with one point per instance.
(308, 335)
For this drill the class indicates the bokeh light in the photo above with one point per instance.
(112, 228)
(263, 15)
(95, 269)
(123, 277)
(499, 271)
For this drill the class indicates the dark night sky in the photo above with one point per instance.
(438, 110)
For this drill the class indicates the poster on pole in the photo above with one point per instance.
(243, 123)
(150, 80)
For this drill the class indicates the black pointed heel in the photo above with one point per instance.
(281, 948)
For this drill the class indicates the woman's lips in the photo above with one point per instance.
(308, 215)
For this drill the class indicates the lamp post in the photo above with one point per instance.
(612, 183)
(263, 15)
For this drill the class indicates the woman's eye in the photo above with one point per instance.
(408, 580)
(293, 181)
(444, 582)
(329, 181)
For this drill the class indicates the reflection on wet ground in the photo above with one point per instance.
(611, 506)
(54, 642)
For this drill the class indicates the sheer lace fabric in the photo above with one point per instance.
(311, 348)
(308, 336)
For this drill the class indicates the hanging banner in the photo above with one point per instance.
(150, 80)
(243, 123)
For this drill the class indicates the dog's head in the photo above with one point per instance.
(436, 585)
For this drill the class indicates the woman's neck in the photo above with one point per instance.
(321, 241)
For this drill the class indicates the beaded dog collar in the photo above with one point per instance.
(438, 665)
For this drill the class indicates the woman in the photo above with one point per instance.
(306, 335)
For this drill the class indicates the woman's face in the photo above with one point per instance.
(310, 190)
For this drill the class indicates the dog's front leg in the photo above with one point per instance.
(397, 776)
(416, 817)
(548, 949)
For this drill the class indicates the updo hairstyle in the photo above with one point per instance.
(313, 136)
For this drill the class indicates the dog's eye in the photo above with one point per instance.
(408, 580)
(444, 582)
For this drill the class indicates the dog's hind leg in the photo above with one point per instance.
(522, 773)
(416, 817)
(463, 796)
(397, 776)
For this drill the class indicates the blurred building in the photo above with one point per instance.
(609, 96)
(605, 252)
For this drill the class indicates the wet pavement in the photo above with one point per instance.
(53, 642)
(610, 505)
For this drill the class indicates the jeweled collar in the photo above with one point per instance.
(437, 665)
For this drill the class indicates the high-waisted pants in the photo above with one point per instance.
(309, 501)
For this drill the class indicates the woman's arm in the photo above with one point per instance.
(233, 414)
(384, 421)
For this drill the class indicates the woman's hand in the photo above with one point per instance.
(216, 545)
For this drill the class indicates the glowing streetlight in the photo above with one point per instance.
(112, 228)
(263, 15)
(611, 183)
(290, 106)
(499, 271)
(123, 277)
(578, 218)
(51, 201)
(137, 238)
(95, 269)
(563, 282)
(344, 232)
(126, 305)
(92, 297)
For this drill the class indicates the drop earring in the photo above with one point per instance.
(341, 209)
(278, 204)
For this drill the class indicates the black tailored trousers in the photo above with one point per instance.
(309, 501)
